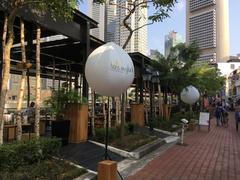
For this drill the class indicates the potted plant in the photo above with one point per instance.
(57, 106)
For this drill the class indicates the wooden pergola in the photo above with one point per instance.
(67, 54)
(65, 47)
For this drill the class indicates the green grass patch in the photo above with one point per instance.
(46, 169)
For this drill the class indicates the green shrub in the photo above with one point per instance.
(164, 124)
(100, 134)
(26, 152)
(46, 169)
(176, 117)
(129, 128)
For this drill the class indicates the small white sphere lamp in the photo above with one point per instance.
(190, 95)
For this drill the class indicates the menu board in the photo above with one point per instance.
(204, 119)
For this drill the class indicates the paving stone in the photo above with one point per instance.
(208, 155)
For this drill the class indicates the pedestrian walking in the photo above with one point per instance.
(30, 113)
(224, 117)
(218, 113)
(237, 116)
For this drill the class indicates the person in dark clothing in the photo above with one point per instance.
(218, 113)
(237, 117)
(30, 112)
(224, 117)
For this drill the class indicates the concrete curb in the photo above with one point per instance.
(166, 132)
(123, 153)
(147, 148)
(171, 139)
(138, 153)
(89, 175)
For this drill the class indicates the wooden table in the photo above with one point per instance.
(11, 132)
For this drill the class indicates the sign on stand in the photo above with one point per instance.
(204, 120)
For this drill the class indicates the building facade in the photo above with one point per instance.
(97, 12)
(14, 88)
(171, 40)
(115, 30)
(207, 24)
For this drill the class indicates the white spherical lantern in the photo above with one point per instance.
(190, 95)
(109, 70)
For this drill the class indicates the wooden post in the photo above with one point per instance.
(107, 170)
(54, 74)
(86, 40)
(59, 81)
(31, 57)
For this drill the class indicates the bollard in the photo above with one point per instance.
(107, 170)
(184, 122)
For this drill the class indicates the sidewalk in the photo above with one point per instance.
(213, 156)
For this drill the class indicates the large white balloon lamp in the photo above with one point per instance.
(189, 95)
(109, 71)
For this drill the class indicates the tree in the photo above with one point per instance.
(38, 83)
(207, 79)
(56, 8)
(174, 70)
(22, 84)
(162, 9)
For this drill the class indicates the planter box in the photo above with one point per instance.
(78, 115)
(137, 114)
(60, 129)
(42, 127)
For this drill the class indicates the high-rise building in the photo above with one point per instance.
(97, 12)
(116, 32)
(171, 40)
(208, 25)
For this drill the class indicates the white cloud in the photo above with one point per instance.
(180, 5)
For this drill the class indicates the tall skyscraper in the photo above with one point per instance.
(116, 32)
(208, 25)
(171, 40)
(96, 12)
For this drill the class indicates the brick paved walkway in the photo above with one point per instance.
(212, 156)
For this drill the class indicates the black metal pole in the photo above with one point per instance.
(106, 135)
(28, 89)
(151, 106)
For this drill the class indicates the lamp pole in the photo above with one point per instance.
(151, 107)
(106, 135)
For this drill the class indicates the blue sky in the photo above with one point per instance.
(176, 22)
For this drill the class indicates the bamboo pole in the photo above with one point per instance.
(22, 84)
(38, 83)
